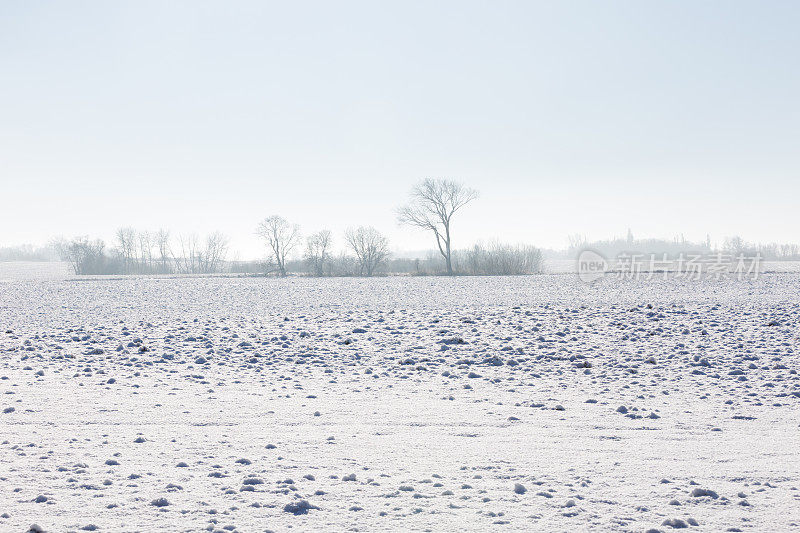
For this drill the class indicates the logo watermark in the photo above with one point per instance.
(592, 266)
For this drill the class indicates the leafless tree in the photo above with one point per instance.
(577, 241)
(317, 254)
(126, 243)
(433, 204)
(502, 259)
(344, 265)
(211, 258)
(789, 251)
(187, 262)
(164, 250)
(145, 251)
(371, 248)
(194, 257)
(281, 237)
(734, 245)
(83, 255)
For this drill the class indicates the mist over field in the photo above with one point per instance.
(392, 266)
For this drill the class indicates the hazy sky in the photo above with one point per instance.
(569, 117)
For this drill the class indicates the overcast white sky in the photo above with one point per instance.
(569, 117)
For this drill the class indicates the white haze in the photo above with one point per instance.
(581, 117)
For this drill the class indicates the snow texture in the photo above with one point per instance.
(465, 404)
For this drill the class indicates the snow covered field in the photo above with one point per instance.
(533, 403)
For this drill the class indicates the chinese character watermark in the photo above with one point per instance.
(592, 266)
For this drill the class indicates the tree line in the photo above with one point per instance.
(145, 252)
(369, 247)
(432, 206)
(733, 246)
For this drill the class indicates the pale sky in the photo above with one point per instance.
(679, 117)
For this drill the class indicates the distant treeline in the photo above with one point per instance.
(146, 252)
(27, 252)
(495, 259)
(673, 248)
(773, 251)
(431, 207)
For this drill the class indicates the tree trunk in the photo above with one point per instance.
(447, 245)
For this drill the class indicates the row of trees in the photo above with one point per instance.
(432, 206)
(84, 256)
(27, 252)
(482, 259)
(736, 245)
(281, 237)
(145, 252)
(731, 245)
(498, 259)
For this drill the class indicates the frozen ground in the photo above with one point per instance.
(505, 404)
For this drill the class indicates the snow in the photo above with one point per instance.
(254, 404)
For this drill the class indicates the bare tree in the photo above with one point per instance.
(433, 204)
(344, 265)
(145, 251)
(126, 241)
(502, 259)
(789, 251)
(85, 256)
(211, 258)
(193, 257)
(164, 250)
(371, 248)
(734, 245)
(317, 254)
(187, 262)
(281, 237)
(577, 241)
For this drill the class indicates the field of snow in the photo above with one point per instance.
(428, 404)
